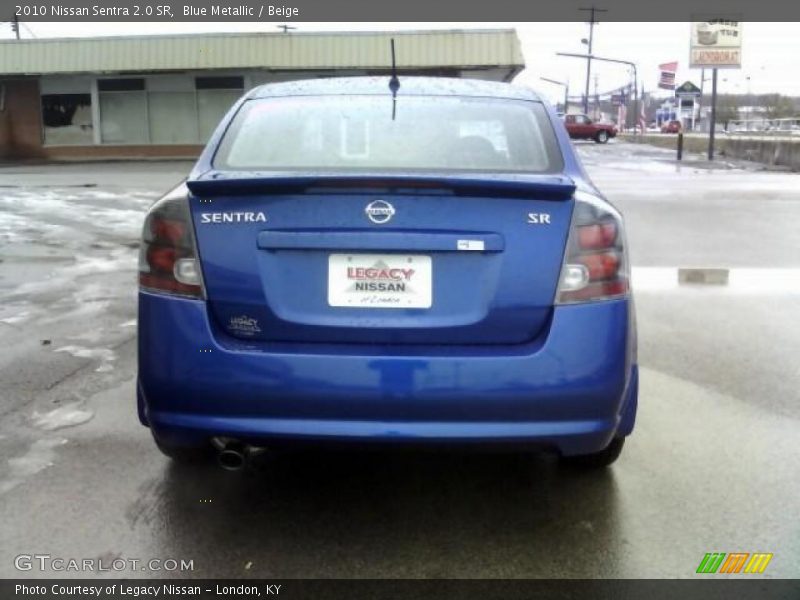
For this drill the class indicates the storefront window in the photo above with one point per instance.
(123, 111)
(173, 117)
(153, 109)
(215, 95)
(67, 119)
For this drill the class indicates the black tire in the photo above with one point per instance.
(597, 460)
(601, 137)
(186, 455)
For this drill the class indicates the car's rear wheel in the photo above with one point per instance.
(597, 460)
(601, 137)
(187, 455)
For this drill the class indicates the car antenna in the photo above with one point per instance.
(394, 83)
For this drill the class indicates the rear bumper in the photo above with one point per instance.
(572, 390)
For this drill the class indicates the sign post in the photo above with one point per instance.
(713, 114)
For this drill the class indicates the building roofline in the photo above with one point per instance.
(244, 34)
(419, 49)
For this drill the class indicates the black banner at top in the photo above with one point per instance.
(390, 10)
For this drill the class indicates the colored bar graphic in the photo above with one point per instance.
(711, 562)
(734, 562)
(758, 562)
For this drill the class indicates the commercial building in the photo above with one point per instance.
(127, 97)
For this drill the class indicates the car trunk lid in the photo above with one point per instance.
(388, 259)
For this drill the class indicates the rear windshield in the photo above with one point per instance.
(358, 133)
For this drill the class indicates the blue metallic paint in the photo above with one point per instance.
(568, 389)
(573, 386)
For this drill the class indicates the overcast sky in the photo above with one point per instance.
(771, 51)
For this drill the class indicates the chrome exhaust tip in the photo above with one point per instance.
(232, 454)
(232, 459)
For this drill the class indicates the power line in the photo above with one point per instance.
(28, 29)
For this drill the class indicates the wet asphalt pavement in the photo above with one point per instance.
(713, 466)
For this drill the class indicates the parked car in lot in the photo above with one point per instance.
(671, 127)
(581, 127)
(342, 266)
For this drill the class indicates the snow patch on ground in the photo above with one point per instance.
(39, 456)
(105, 355)
(93, 335)
(68, 415)
(18, 318)
(121, 260)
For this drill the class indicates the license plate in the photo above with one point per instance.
(379, 280)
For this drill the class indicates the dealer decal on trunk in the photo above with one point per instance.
(244, 325)
(379, 278)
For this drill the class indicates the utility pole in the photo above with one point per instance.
(15, 25)
(699, 99)
(592, 12)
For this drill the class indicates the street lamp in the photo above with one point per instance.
(566, 91)
(622, 62)
(588, 44)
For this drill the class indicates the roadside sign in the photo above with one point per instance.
(666, 80)
(618, 99)
(687, 90)
(715, 44)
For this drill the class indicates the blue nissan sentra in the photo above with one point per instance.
(350, 261)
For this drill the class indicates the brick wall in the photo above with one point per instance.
(20, 119)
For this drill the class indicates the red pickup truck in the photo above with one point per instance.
(581, 127)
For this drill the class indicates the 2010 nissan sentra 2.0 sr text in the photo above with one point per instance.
(345, 264)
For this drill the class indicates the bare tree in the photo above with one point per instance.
(727, 109)
(777, 106)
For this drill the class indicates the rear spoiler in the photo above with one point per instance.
(545, 187)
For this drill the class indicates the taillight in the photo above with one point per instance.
(168, 254)
(595, 261)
